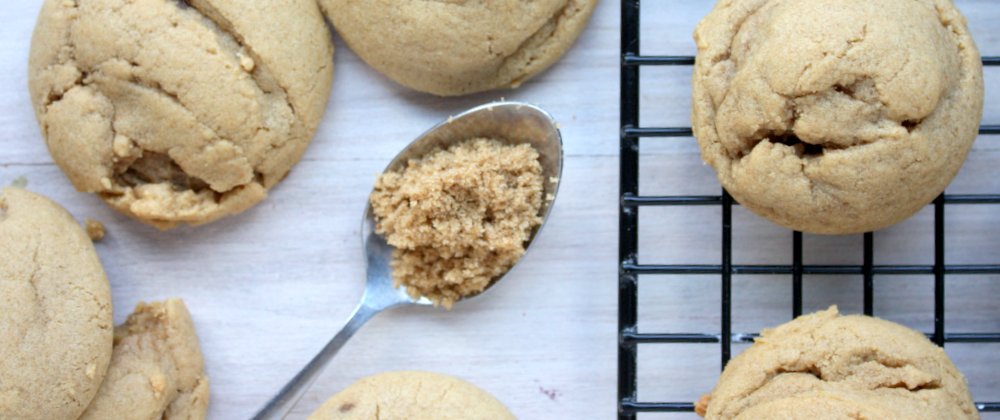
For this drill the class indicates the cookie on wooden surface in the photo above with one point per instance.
(456, 47)
(179, 111)
(55, 321)
(412, 395)
(157, 371)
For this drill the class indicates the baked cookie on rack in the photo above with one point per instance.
(55, 321)
(414, 396)
(157, 371)
(826, 366)
(456, 47)
(836, 116)
(179, 111)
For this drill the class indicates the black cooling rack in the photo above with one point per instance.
(629, 270)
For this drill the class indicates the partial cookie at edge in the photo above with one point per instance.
(824, 365)
(157, 370)
(412, 395)
(452, 48)
(55, 325)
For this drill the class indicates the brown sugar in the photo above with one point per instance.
(701, 406)
(459, 218)
(95, 230)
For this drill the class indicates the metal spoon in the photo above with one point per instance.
(512, 122)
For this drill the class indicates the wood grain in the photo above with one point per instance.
(269, 287)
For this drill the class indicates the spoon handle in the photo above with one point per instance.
(279, 406)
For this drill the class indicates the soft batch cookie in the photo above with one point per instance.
(55, 323)
(456, 47)
(157, 371)
(412, 395)
(826, 366)
(179, 111)
(836, 116)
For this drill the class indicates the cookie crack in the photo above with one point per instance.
(41, 315)
(787, 136)
(906, 62)
(156, 87)
(70, 57)
(261, 74)
(802, 148)
(152, 86)
(154, 336)
(316, 78)
(539, 37)
(854, 42)
(737, 28)
(129, 177)
(85, 79)
(91, 296)
(892, 383)
(53, 97)
(900, 367)
(444, 394)
(193, 183)
(810, 370)
(224, 27)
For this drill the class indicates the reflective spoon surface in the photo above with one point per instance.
(511, 122)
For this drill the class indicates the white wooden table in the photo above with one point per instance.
(269, 287)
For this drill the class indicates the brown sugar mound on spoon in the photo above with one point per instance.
(460, 217)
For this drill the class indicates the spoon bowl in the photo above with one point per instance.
(509, 122)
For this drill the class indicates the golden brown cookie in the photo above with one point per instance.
(55, 319)
(836, 116)
(455, 47)
(413, 396)
(179, 111)
(827, 366)
(157, 371)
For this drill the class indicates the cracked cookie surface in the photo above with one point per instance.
(835, 116)
(827, 366)
(55, 323)
(412, 395)
(179, 111)
(456, 47)
(157, 371)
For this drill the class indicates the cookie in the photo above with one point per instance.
(414, 396)
(55, 323)
(157, 371)
(458, 47)
(835, 116)
(827, 366)
(179, 111)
